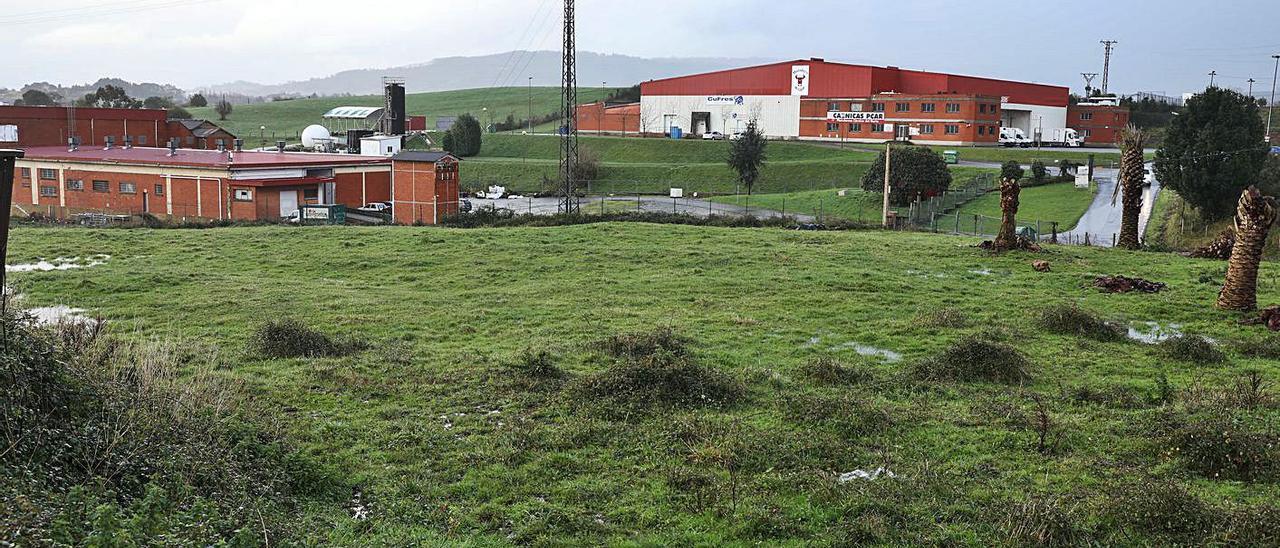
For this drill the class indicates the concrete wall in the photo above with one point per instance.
(778, 115)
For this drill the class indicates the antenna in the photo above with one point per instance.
(1088, 82)
(1212, 75)
(1108, 45)
(568, 108)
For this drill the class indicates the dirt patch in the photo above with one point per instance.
(1269, 316)
(1219, 248)
(1125, 284)
(1021, 244)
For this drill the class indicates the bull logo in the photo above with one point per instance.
(800, 77)
(800, 80)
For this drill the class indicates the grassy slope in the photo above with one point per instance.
(290, 117)
(1027, 155)
(444, 308)
(1061, 202)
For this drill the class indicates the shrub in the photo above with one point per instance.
(538, 364)
(1218, 444)
(1069, 319)
(1192, 348)
(944, 317)
(1038, 172)
(915, 172)
(1011, 169)
(975, 359)
(290, 338)
(831, 371)
(644, 344)
(1163, 508)
(653, 369)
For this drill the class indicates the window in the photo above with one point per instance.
(951, 129)
(142, 140)
(994, 108)
(926, 107)
(876, 128)
(244, 195)
(982, 130)
(982, 108)
(25, 173)
(833, 107)
(855, 107)
(310, 194)
(48, 174)
(191, 140)
(926, 128)
(1086, 115)
(101, 186)
(222, 143)
(159, 190)
(128, 188)
(832, 126)
(1088, 133)
(902, 107)
(855, 127)
(953, 107)
(877, 107)
(75, 184)
(47, 190)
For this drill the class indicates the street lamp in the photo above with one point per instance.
(530, 119)
(262, 134)
(604, 93)
(1271, 106)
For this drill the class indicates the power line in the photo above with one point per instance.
(73, 14)
(518, 45)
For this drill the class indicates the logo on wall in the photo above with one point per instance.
(725, 100)
(800, 80)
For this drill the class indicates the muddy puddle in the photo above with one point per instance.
(59, 263)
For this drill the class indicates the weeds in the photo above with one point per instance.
(537, 364)
(1046, 521)
(975, 359)
(290, 338)
(654, 369)
(831, 371)
(1192, 348)
(849, 416)
(944, 317)
(644, 344)
(1069, 319)
(1218, 444)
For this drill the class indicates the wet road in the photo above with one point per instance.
(1101, 222)
(592, 204)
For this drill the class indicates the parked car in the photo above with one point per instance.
(713, 136)
(294, 217)
(1148, 176)
(376, 207)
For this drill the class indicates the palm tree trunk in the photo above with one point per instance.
(1254, 216)
(1006, 238)
(1130, 185)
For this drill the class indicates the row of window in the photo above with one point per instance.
(906, 107)
(1086, 115)
(926, 129)
(77, 185)
(855, 128)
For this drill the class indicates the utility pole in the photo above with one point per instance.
(1212, 74)
(1108, 45)
(530, 120)
(603, 93)
(884, 214)
(1271, 105)
(1251, 81)
(1088, 82)
(568, 113)
(8, 158)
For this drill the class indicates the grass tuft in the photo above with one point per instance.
(290, 338)
(1192, 348)
(1069, 319)
(832, 371)
(975, 359)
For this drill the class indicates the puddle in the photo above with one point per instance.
(60, 263)
(52, 315)
(983, 272)
(869, 351)
(1153, 332)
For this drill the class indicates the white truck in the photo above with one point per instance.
(1013, 137)
(1059, 137)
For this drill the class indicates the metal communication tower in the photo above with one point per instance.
(1106, 62)
(568, 106)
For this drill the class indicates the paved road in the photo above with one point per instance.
(592, 204)
(1102, 220)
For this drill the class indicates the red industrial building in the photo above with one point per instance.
(41, 126)
(424, 186)
(814, 99)
(204, 184)
(1098, 121)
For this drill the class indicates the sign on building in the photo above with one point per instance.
(800, 79)
(842, 116)
(8, 134)
(724, 100)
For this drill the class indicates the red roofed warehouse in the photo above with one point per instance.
(819, 100)
(27, 126)
(195, 183)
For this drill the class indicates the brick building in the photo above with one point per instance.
(818, 100)
(424, 187)
(1099, 122)
(194, 183)
(44, 126)
(599, 117)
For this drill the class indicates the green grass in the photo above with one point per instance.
(1027, 155)
(290, 117)
(452, 447)
(855, 205)
(1061, 202)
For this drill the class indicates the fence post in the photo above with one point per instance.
(1055, 233)
(957, 222)
(1037, 230)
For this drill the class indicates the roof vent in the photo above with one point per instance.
(173, 147)
(110, 142)
(72, 145)
(279, 146)
(817, 59)
(128, 141)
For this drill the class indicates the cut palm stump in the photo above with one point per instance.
(1219, 248)
(1255, 214)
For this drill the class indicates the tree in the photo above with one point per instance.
(1038, 172)
(223, 108)
(913, 172)
(1132, 177)
(197, 100)
(588, 166)
(1011, 169)
(158, 102)
(1255, 214)
(109, 96)
(37, 98)
(1213, 151)
(747, 155)
(447, 143)
(178, 113)
(1007, 237)
(464, 138)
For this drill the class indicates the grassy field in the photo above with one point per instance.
(290, 117)
(1061, 202)
(804, 363)
(1027, 155)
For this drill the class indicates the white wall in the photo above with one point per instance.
(1029, 117)
(778, 115)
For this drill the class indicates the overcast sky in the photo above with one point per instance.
(1167, 46)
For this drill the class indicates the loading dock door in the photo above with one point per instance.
(288, 202)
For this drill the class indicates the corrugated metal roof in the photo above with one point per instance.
(200, 158)
(421, 156)
(353, 113)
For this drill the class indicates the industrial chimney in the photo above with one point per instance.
(394, 113)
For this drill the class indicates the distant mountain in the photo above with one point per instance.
(67, 93)
(503, 69)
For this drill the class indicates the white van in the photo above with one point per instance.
(1013, 137)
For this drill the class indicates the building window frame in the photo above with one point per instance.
(159, 189)
(928, 107)
(951, 129)
(1086, 115)
(101, 186)
(902, 107)
(24, 173)
(48, 191)
(877, 128)
(75, 184)
(243, 195)
(855, 128)
(48, 174)
(953, 107)
(127, 187)
(926, 129)
(833, 106)
(833, 126)
(877, 107)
